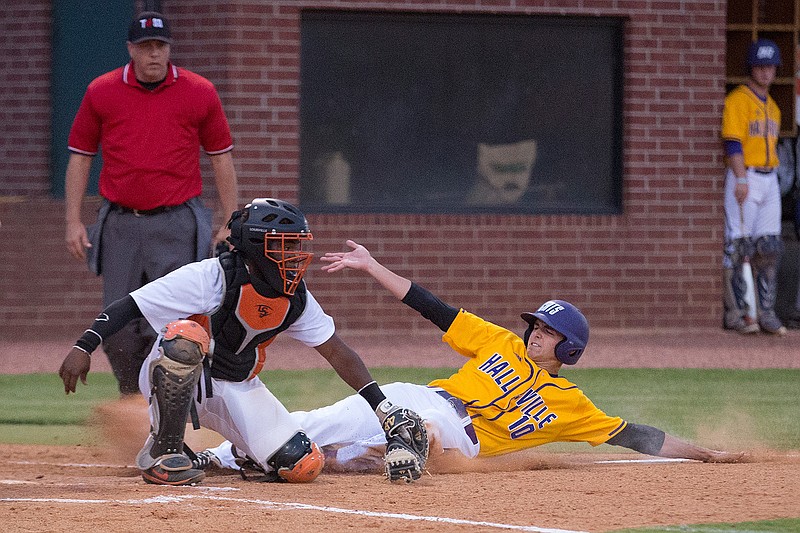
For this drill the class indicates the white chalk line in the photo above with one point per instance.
(662, 460)
(71, 465)
(100, 465)
(294, 506)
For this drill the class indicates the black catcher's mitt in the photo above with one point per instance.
(406, 442)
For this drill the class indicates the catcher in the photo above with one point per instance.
(217, 318)
(508, 396)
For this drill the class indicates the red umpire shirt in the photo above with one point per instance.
(150, 140)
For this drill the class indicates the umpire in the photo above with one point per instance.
(150, 119)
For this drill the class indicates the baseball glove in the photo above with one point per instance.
(406, 442)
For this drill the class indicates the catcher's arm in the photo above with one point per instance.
(78, 361)
(347, 364)
(407, 441)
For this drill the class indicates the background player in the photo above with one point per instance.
(750, 127)
(244, 298)
(508, 396)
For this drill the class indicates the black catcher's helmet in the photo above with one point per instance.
(270, 233)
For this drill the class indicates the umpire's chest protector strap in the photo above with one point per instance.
(231, 361)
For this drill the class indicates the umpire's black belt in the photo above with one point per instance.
(458, 405)
(143, 212)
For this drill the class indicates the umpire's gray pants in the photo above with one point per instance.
(134, 251)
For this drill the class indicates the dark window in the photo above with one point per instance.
(434, 113)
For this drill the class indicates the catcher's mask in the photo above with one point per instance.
(566, 319)
(270, 233)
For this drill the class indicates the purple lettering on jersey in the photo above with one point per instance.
(757, 128)
(489, 362)
(546, 420)
(537, 415)
(521, 432)
(498, 372)
(527, 402)
(496, 369)
(505, 387)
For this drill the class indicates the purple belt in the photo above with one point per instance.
(459, 407)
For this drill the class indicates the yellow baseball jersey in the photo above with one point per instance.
(513, 403)
(755, 124)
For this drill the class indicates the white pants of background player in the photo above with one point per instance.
(761, 209)
(351, 437)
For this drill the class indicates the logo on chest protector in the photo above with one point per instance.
(259, 313)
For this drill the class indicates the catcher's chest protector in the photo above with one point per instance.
(247, 322)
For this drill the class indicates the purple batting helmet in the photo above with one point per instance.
(566, 319)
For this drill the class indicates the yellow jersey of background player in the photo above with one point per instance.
(750, 129)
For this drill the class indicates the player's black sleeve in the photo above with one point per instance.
(111, 320)
(639, 437)
(430, 307)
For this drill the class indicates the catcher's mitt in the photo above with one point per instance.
(406, 442)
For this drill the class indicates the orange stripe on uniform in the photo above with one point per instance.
(261, 357)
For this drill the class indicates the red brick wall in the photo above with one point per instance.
(25, 98)
(657, 264)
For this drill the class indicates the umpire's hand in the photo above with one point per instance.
(77, 240)
(76, 365)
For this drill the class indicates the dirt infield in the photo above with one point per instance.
(66, 489)
(72, 489)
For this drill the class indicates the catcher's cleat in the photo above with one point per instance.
(250, 470)
(205, 459)
(175, 470)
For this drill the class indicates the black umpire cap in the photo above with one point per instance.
(149, 25)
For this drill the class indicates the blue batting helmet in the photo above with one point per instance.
(763, 52)
(566, 319)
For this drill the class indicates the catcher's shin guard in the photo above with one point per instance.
(173, 377)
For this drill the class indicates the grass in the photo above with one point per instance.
(750, 408)
(745, 408)
(789, 525)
